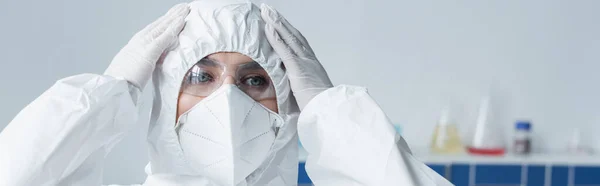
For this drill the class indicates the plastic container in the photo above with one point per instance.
(487, 140)
(446, 138)
(575, 145)
(522, 138)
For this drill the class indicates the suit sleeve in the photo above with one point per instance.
(350, 141)
(62, 137)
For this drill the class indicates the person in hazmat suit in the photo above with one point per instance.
(235, 85)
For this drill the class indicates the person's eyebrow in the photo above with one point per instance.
(208, 62)
(251, 66)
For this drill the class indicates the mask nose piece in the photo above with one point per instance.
(229, 80)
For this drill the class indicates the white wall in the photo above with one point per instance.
(540, 56)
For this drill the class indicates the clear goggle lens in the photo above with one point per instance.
(207, 75)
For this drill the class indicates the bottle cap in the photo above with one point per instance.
(523, 125)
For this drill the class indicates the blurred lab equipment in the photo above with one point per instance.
(446, 138)
(575, 145)
(522, 138)
(487, 138)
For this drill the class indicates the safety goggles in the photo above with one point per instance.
(208, 75)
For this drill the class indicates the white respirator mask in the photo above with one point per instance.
(227, 135)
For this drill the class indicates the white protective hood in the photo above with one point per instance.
(221, 26)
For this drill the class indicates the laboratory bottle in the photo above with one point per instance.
(522, 138)
(487, 139)
(446, 138)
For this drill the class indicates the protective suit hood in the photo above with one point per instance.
(220, 26)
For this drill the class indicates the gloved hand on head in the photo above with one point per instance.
(307, 76)
(136, 61)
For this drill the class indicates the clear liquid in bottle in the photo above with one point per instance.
(446, 138)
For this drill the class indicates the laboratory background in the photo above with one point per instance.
(484, 92)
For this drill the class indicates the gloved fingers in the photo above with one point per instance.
(297, 35)
(155, 29)
(166, 24)
(273, 19)
(278, 44)
(173, 11)
(273, 16)
(169, 37)
(294, 39)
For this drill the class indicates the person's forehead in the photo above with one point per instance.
(230, 60)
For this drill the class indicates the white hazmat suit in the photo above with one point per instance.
(62, 137)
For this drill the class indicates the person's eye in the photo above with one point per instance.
(199, 78)
(255, 81)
